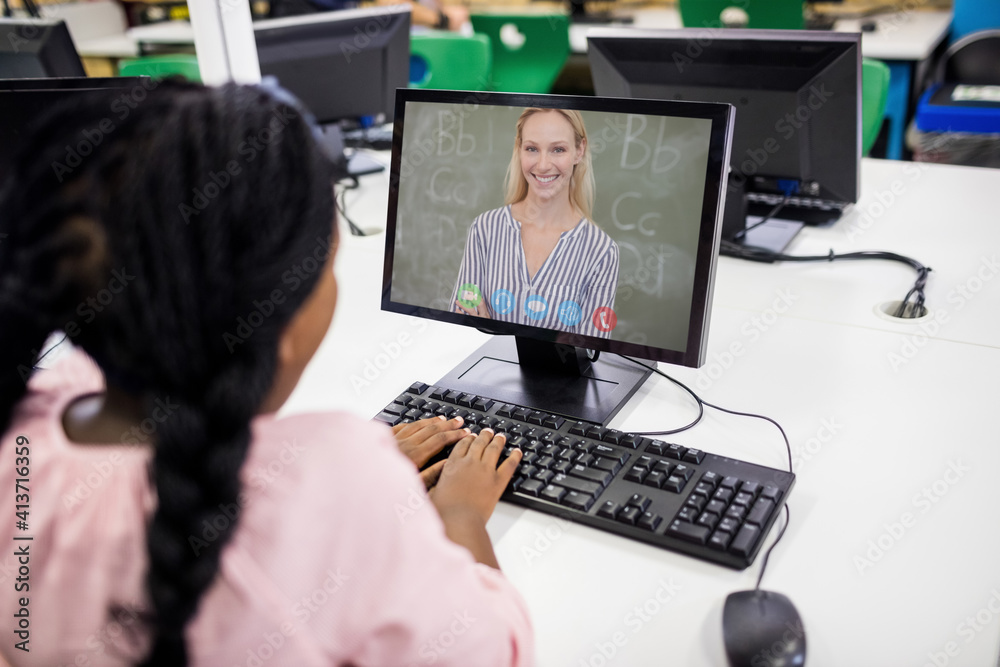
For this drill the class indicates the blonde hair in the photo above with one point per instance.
(581, 184)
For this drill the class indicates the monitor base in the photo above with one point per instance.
(595, 394)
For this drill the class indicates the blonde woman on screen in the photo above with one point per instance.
(540, 259)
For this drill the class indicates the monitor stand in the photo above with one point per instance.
(550, 377)
(357, 164)
(738, 226)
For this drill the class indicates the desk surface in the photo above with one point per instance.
(893, 549)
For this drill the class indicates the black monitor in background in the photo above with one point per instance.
(37, 48)
(24, 101)
(797, 141)
(343, 65)
(635, 278)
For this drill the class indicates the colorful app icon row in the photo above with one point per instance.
(536, 307)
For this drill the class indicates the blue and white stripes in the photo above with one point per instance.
(581, 269)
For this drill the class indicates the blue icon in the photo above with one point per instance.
(533, 311)
(502, 302)
(570, 313)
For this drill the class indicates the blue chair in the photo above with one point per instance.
(970, 16)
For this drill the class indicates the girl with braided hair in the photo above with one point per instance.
(174, 520)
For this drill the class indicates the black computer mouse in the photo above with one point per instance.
(762, 628)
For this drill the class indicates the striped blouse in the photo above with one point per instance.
(579, 276)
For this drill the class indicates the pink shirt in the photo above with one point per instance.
(338, 559)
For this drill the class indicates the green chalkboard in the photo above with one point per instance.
(650, 176)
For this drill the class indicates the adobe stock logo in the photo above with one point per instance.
(605, 319)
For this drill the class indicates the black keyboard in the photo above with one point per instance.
(679, 498)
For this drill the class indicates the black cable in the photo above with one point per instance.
(773, 212)
(912, 304)
(701, 403)
(767, 554)
(341, 205)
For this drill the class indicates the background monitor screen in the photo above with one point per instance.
(24, 101)
(37, 48)
(796, 93)
(343, 65)
(636, 277)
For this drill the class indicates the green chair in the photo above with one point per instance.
(766, 14)
(448, 60)
(874, 92)
(529, 49)
(159, 67)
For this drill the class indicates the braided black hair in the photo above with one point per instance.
(200, 203)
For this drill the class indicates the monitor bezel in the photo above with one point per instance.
(707, 253)
(51, 49)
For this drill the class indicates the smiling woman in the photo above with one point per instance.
(540, 259)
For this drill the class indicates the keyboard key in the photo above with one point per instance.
(728, 525)
(544, 476)
(689, 532)
(639, 500)
(437, 393)
(551, 450)
(720, 540)
(629, 515)
(655, 479)
(418, 387)
(585, 446)
(697, 502)
(595, 432)
(724, 495)
(674, 451)
(694, 456)
(646, 462)
(536, 418)
(580, 501)
(611, 452)
(772, 493)
(608, 509)
(403, 398)
(703, 489)
(649, 520)
(388, 418)
(586, 460)
(418, 403)
(743, 499)
(532, 487)
(761, 512)
(674, 483)
(657, 447)
(715, 507)
(630, 440)
(753, 488)
(688, 514)
(712, 478)
(574, 484)
(521, 414)
(636, 474)
(682, 471)
(579, 428)
(561, 466)
(566, 454)
(482, 404)
(553, 421)
(603, 463)
(662, 466)
(602, 477)
(452, 396)
(708, 519)
(506, 410)
(613, 435)
(395, 408)
(745, 539)
(526, 470)
(545, 462)
(413, 414)
(730, 482)
(553, 493)
(737, 512)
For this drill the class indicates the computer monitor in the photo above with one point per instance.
(343, 65)
(24, 101)
(635, 276)
(797, 95)
(37, 48)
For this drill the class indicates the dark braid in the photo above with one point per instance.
(171, 334)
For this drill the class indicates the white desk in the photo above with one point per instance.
(867, 438)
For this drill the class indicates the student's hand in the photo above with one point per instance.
(421, 440)
(480, 309)
(471, 483)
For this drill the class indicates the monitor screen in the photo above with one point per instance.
(343, 65)
(797, 96)
(37, 48)
(25, 101)
(471, 238)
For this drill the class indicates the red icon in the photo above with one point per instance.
(605, 319)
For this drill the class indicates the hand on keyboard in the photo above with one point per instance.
(471, 479)
(423, 440)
